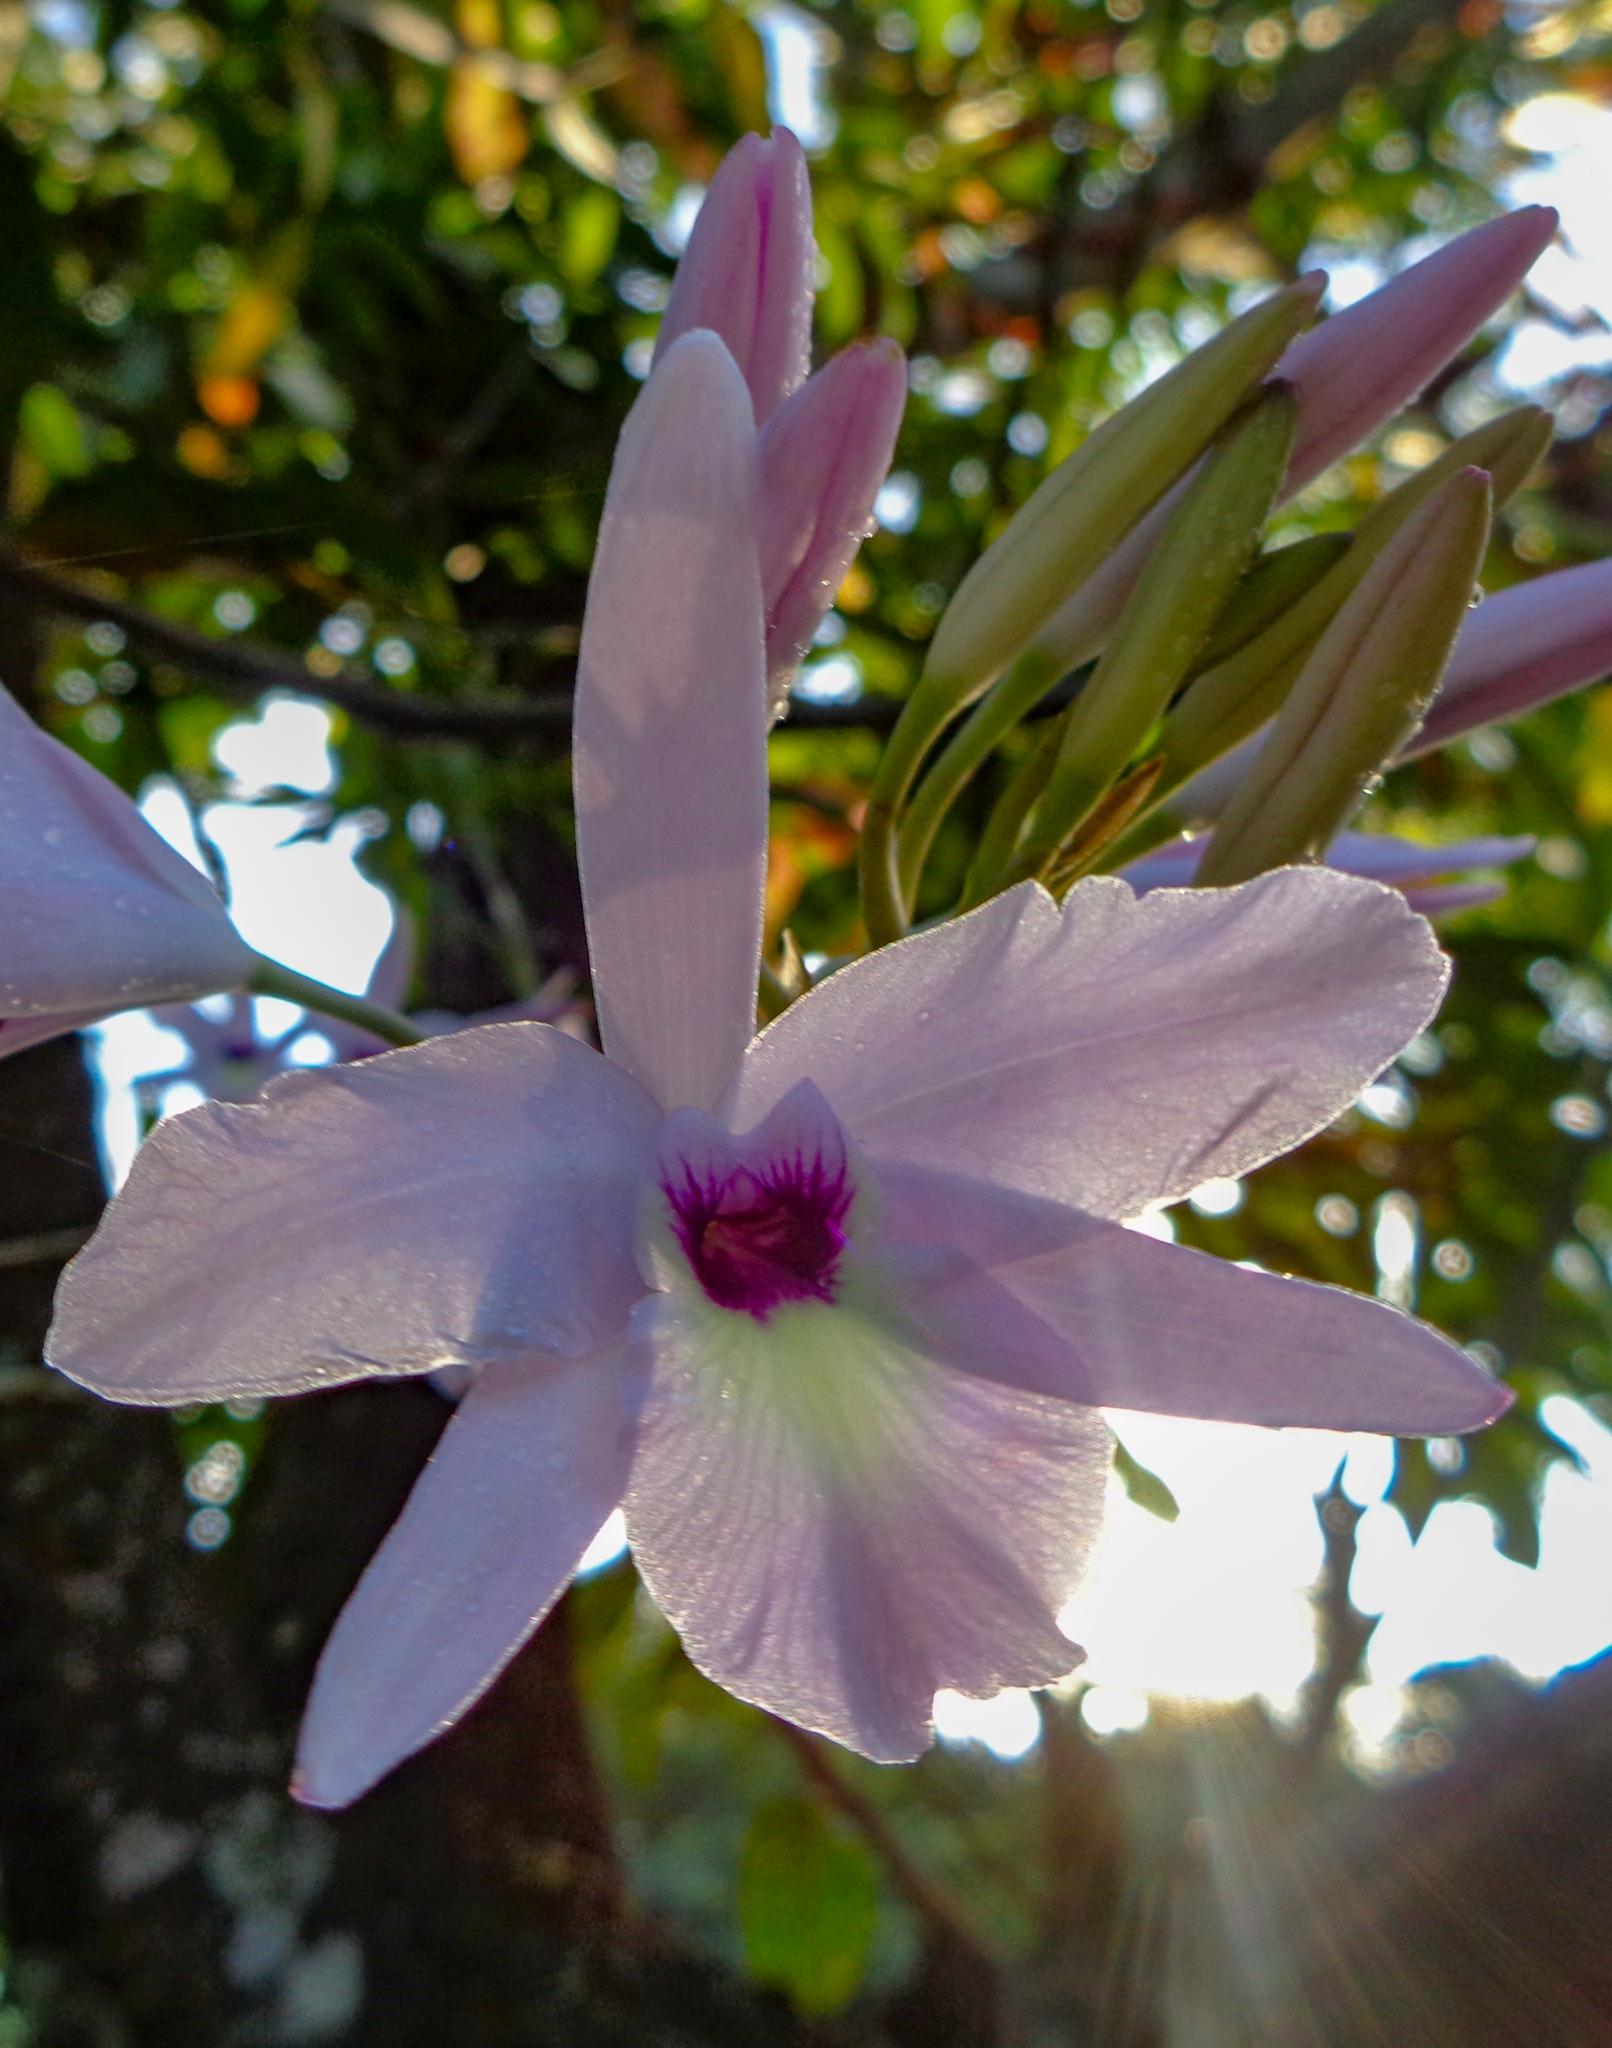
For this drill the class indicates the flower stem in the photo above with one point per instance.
(269, 978)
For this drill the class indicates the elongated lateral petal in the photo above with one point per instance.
(1352, 373)
(838, 1527)
(459, 1201)
(1521, 648)
(1116, 1053)
(533, 1461)
(671, 733)
(1378, 856)
(746, 274)
(1050, 1301)
(97, 912)
(824, 456)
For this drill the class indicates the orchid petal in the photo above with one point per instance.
(1038, 1297)
(463, 1200)
(823, 458)
(98, 913)
(838, 1527)
(747, 271)
(1521, 648)
(526, 1472)
(18, 1033)
(1117, 1053)
(671, 733)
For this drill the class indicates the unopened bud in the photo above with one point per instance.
(1361, 693)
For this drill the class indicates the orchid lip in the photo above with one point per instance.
(759, 1236)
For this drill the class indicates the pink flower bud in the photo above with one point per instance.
(1359, 367)
(823, 457)
(1353, 372)
(747, 271)
(1523, 647)
(99, 914)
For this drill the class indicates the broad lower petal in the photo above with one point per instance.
(526, 1472)
(97, 912)
(464, 1200)
(1117, 1053)
(1039, 1297)
(838, 1527)
(671, 734)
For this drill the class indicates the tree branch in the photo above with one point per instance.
(236, 668)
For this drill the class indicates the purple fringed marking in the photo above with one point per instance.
(758, 1236)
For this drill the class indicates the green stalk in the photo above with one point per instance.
(270, 978)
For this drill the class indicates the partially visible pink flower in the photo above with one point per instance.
(746, 274)
(98, 913)
(1432, 878)
(1352, 373)
(831, 1309)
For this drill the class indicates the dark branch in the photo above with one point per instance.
(236, 668)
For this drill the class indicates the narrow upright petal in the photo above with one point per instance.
(1116, 1053)
(97, 912)
(466, 1200)
(1522, 647)
(747, 271)
(824, 456)
(838, 1527)
(534, 1459)
(671, 734)
(1036, 1296)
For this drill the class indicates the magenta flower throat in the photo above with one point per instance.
(760, 1235)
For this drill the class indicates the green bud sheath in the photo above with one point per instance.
(1363, 691)
(1230, 701)
(1082, 511)
(1091, 501)
(1199, 560)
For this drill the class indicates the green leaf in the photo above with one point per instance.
(808, 1901)
(591, 223)
(53, 430)
(1146, 1488)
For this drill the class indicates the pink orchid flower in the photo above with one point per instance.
(99, 913)
(825, 442)
(831, 1310)
(1421, 872)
